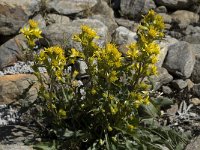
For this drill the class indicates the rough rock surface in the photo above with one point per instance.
(194, 145)
(58, 19)
(132, 8)
(18, 87)
(15, 13)
(196, 89)
(195, 77)
(11, 51)
(162, 78)
(184, 17)
(60, 33)
(180, 60)
(164, 47)
(175, 4)
(69, 7)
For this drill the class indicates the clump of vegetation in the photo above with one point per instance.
(102, 112)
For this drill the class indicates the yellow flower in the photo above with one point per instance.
(33, 23)
(31, 43)
(75, 73)
(62, 113)
(132, 51)
(37, 33)
(130, 127)
(110, 128)
(152, 32)
(74, 53)
(113, 76)
(26, 31)
(154, 59)
(90, 32)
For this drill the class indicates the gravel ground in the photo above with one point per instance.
(8, 115)
(20, 68)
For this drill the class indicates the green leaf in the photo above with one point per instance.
(162, 101)
(148, 111)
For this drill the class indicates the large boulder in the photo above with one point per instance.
(105, 14)
(22, 87)
(15, 13)
(135, 8)
(175, 4)
(62, 34)
(180, 59)
(69, 7)
(164, 47)
(11, 51)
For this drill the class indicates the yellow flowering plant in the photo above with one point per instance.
(101, 110)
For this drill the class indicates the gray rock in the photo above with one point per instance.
(166, 18)
(196, 90)
(180, 59)
(14, 14)
(184, 18)
(11, 51)
(62, 34)
(69, 7)
(122, 37)
(105, 14)
(129, 24)
(195, 48)
(179, 84)
(58, 19)
(164, 46)
(194, 144)
(192, 30)
(13, 88)
(175, 4)
(195, 77)
(193, 38)
(163, 77)
(102, 8)
(166, 90)
(128, 5)
(109, 22)
(175, 34)
(149, 4)
(161, 9)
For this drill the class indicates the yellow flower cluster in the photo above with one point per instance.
(32, 33)
(146, 50)
(109, 59)
(53, 58)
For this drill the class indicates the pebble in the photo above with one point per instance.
(8, 115)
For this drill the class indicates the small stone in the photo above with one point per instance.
(179, 84)
(195, 101)
(190, 84)
(167, 90)
(173, 109)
